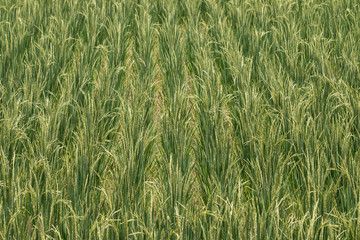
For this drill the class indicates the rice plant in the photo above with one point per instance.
(194, 119)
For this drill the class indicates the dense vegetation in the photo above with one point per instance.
(232, 119)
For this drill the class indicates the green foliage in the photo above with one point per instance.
(231, 119)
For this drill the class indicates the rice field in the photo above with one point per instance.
(180, 119)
